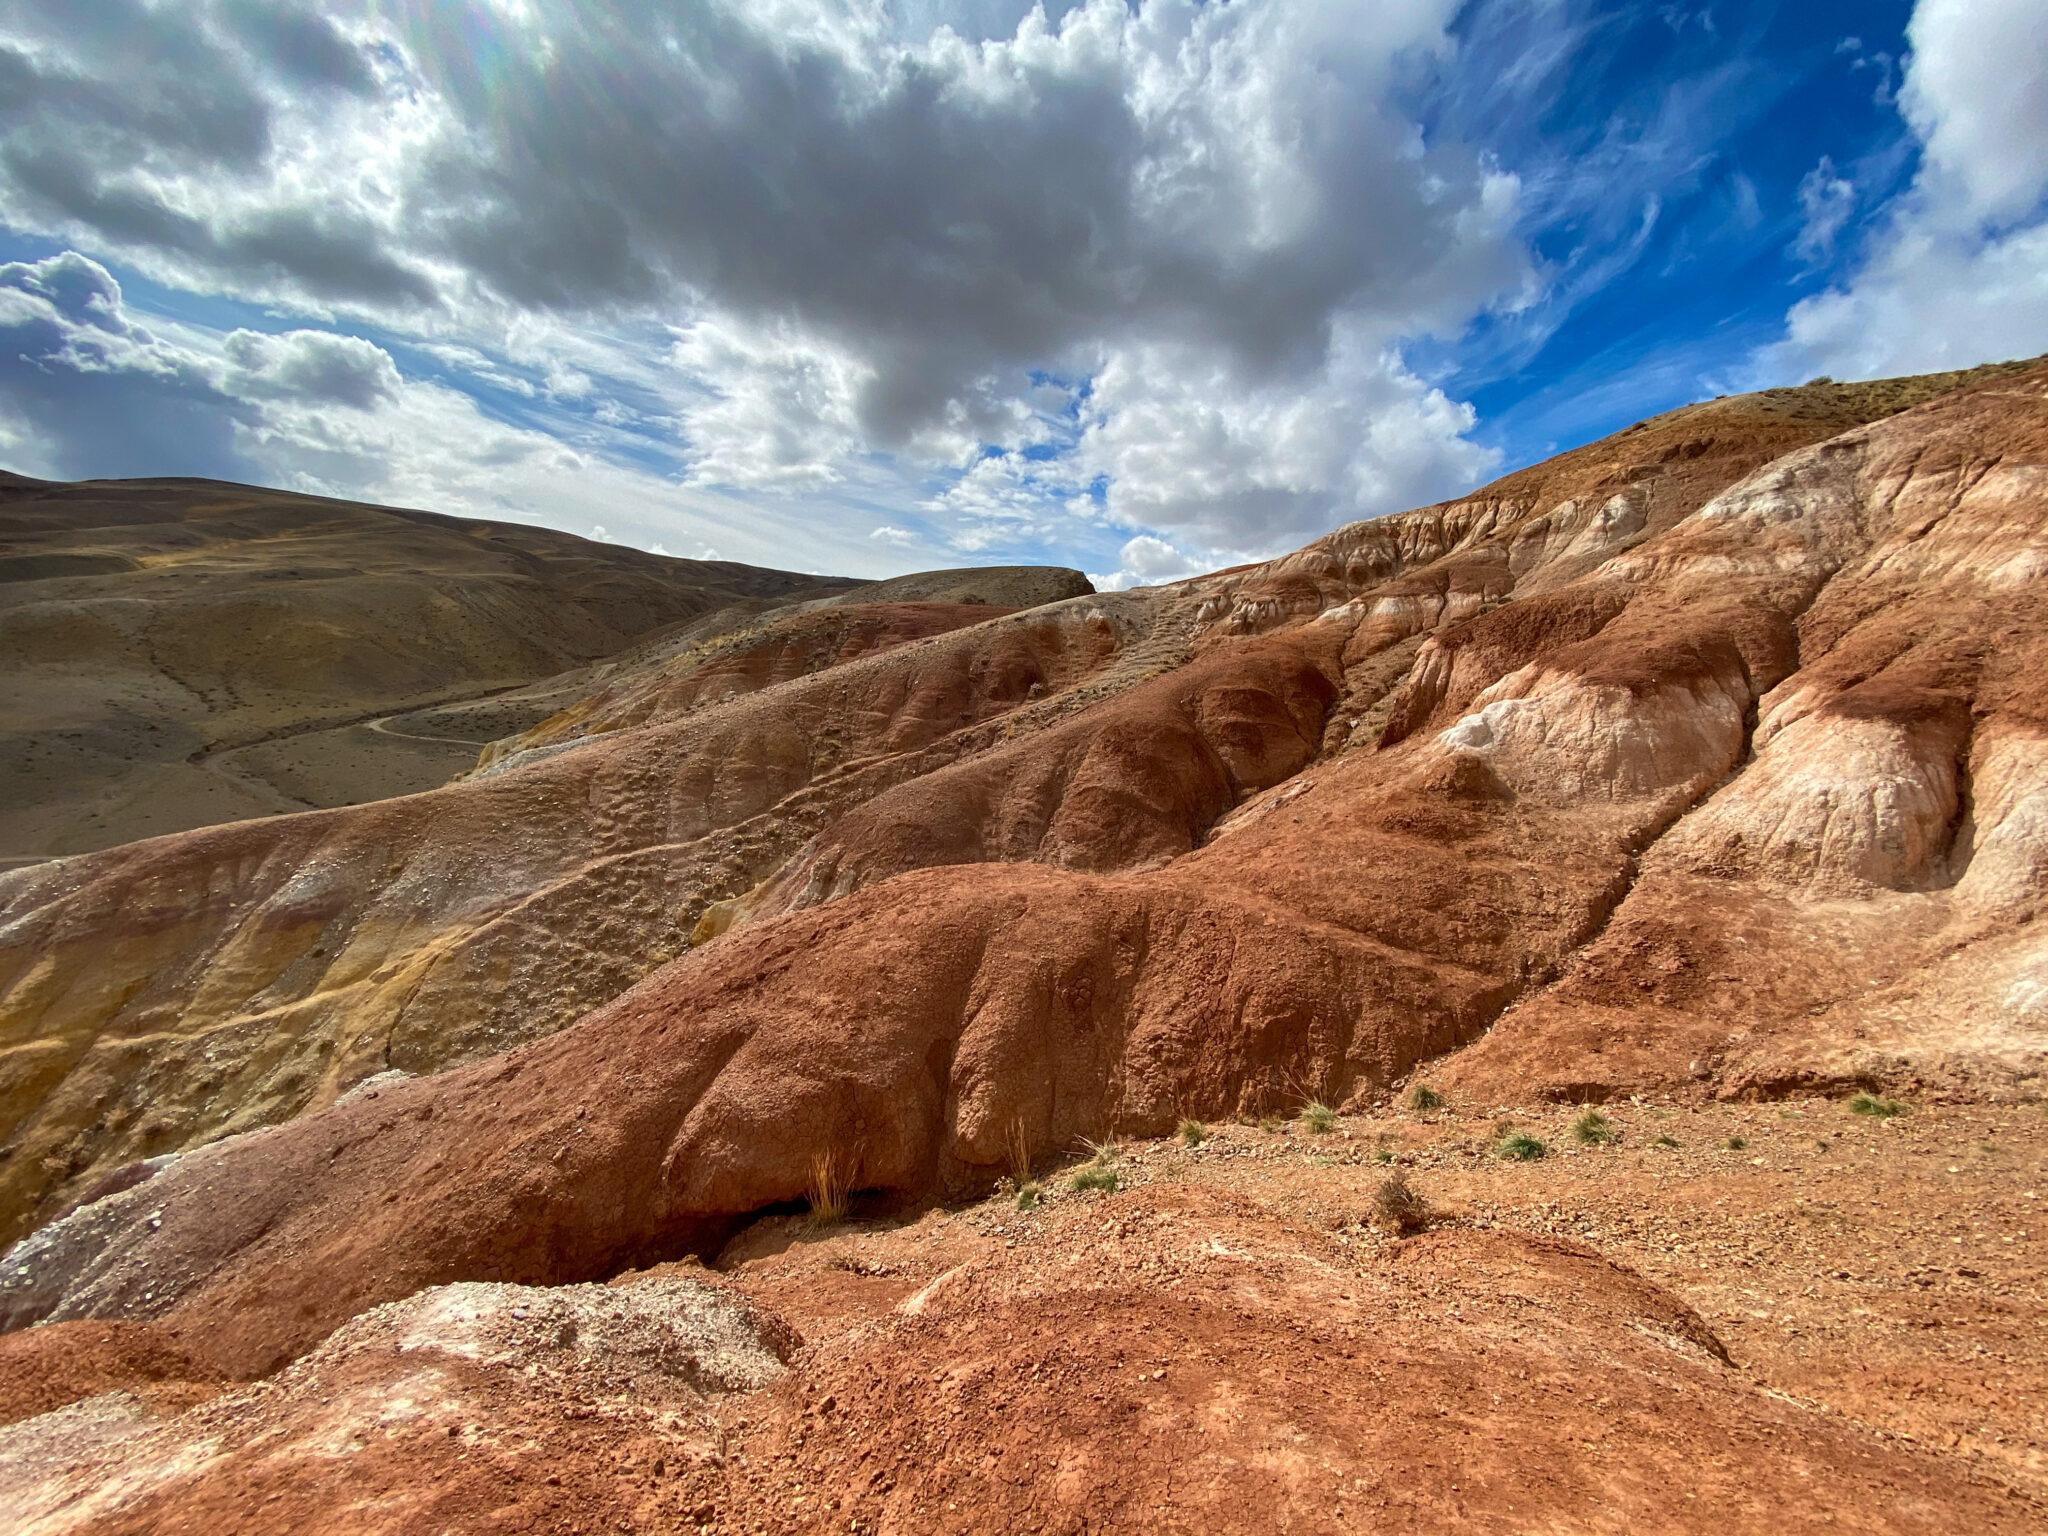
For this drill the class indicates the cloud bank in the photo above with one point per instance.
(1155, 263)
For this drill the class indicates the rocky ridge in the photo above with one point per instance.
(1701, 764)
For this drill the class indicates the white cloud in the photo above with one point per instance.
(868, 234)
(1976, 92)
(1826, 200)
(310, 365)
(1147, 562)
(1192, 446)
(773, 408)
(1959, 274)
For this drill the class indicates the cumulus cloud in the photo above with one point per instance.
(875, 229)
(1959, 273)
(310, 365)
(84, 390)
(1976, 92)
(1146, 561)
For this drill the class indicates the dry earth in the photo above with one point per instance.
(1698, 774)
(179, 652)
(1835, 1326)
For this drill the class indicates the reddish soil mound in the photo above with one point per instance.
(1160, 1360)
(45, 1368)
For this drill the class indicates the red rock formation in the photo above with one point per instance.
(1867, 607)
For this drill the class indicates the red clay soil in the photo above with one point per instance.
(910, 1027)
(45, 1368)
(1173, 1358)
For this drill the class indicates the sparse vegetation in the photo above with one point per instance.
(1271, 1123)
(1665, 1141)
(1383, 1155)
(1424, 1097)
(1099, 1172)
(1399, 1207)
(1593, 1129)
(1028, 1196)
(1521, 1147)
(1318, 1117)
(1192, 1133)
(1878, 1109)
(830, 1182)
(1017, 1150)
(1736, 1143)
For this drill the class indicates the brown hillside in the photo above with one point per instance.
(178, 653)
(1699, 767)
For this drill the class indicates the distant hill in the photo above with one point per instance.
(180, 653)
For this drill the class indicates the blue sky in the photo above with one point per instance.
(1145, 287)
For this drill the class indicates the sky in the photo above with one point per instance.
(1145, 287)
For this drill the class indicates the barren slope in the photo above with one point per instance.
(178, 653)
(1699, 766)
(1380, 910)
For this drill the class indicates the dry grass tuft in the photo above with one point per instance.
(1399, 1208)
(1593, 1129)
(830, 1183)
(1017, 1151)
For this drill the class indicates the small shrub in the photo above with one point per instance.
(1878, 1109)
(1028, 1196)
(1521, 1147)
(1095, 1176)
(1665, 1141)
(1399, 1207)
(1318, 1117)
(1271, 1123)
(1192, 1133)
(1593, 1129)
(1425, 1097)
(1383, 1155)
(1736, 1143)
(830, 1182)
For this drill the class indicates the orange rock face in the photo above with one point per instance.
(1704, 763)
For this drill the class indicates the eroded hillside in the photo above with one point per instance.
(1702, 765)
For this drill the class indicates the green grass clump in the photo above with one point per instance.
(1028, 1196)
(1425, 1097)
(1521, 1147)
(1878, 1109)
(1593, 1129)
(1665, 1141)
(1192, 1133)
(1318, 1117)
(1736, 1143)
(1095, 1176)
